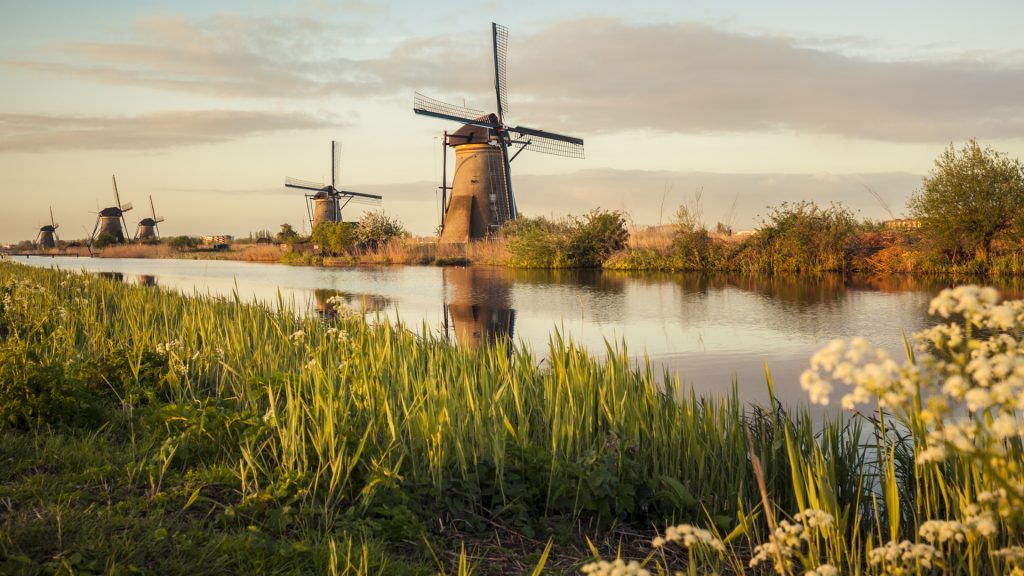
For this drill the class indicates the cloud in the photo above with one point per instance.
(38, 132)
(599, 75)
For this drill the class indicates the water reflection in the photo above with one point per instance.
(147, 280)
(478, 306)
(118, 276)
(709, 329)
(327, 302)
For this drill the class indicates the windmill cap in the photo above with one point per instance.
(112, 212)
(470, 133)
(47, 228)
(147, 222)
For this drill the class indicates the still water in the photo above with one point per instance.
(710, 330)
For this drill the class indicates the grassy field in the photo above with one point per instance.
(149, 432)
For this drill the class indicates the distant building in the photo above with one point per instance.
(221, 242)
(902, 223)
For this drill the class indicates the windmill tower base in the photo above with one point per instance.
(326, 208)
(47, 239)
(111, 225)
(475, 210)
(147, 232)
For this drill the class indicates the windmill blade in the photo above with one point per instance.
(499, 35)
(51, 218)
(305, 184)
(360, 194)
(158, 220)
(126, 207)
(430, 107)
(151, 208)
(361, 201)
(548, 142)
(117, 196)
(335, 163)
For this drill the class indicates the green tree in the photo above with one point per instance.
(973, 197)
(287, 235)
(335, 238)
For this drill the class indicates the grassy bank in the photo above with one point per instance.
(201, 435)
(146, 431)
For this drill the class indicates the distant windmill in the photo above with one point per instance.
(47, 237)
(110, 221)
(326, 201)
(481, 190)
(148, 229)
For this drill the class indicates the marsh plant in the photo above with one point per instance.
(947, 493)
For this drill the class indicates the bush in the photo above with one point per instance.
(376, 229)
(336, 238)
(802, 237)
(182, 242)
(585, 242)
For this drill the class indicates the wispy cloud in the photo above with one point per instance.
(587, 76)
(39, 132)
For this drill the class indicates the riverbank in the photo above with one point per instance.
(201, 435)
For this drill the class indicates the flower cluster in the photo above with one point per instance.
(617, 567)
(788, 538)
(689, 536)
(870, 372)
(903, 557)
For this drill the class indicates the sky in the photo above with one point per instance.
(208, 106)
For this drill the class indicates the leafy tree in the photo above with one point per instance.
(287, 235)
(973, 197)
(335, 238)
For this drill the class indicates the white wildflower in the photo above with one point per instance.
(689, 536)
(823, 570)
(618, 567)
(942, 531)
(298, 335)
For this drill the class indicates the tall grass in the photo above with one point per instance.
(350, 418)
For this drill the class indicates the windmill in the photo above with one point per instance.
(481, 191)
(147, 229)
(110, 221)
(326, 201)
(47, 237)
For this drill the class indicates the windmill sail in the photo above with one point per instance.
(500, 43)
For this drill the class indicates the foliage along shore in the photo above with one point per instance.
(144, 431)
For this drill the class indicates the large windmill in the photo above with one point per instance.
(481, 190)
(47, 237)
(148, 229)
(110, 221)
(326, 201)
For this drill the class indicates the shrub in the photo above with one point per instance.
(335, 238)
(376, 229)
(573, 242)
(802, 237)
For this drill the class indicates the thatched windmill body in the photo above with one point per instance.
(324, 202)
(481, 190)
(47, 236)
(148, 228)
(110, 221)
